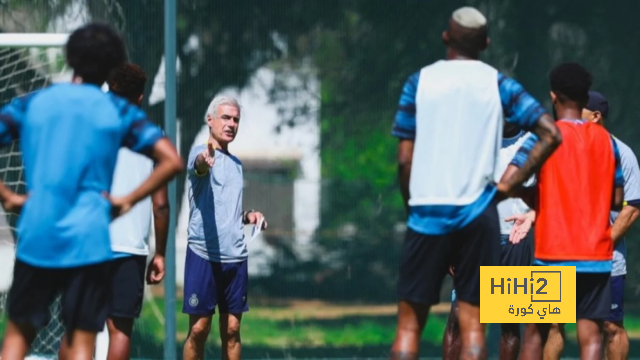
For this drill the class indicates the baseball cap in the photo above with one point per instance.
(597, 102)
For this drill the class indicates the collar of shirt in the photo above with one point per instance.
(575, 121)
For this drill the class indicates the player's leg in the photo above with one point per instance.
(535, 337)
(616, 341)
(471, 332)
(200, 301)
(17, 340)
(233, 282)
(593, 305)
(125, 303)
(519, 254)
(555, 342)
(509, 341)
(199, 328)
(476, 245)
(451, 339)
(84, 308)
(423, 264)
(412, 318)
(590, 338)
(615, 335)
(230, 336)
(32, 291)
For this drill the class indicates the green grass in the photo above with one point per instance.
(322, 331)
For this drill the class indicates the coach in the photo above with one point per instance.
(216, 264)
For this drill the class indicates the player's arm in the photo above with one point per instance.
(203, 161)
(168, 165)
(405, 159)
(11, 120)
(619, 180)
(156, 268)
(630, 211)
(628, 215)
(527, 194)
(521, 108)
(145, 138)
(404, 128)
(161, 209)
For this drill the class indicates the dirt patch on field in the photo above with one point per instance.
(325, 310)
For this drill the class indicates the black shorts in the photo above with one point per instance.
(593, 295)
(127, 286)
(425, 260)
(520, 254)
(84, 296)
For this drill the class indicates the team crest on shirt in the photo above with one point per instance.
(193, 300)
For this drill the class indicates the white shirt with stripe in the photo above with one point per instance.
(130, 232)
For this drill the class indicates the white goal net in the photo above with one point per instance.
(28, 62)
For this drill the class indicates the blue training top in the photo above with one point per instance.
(70, 136)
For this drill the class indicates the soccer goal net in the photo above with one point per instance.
(28, 62)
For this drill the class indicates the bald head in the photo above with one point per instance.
(467, 32)
(469, 18)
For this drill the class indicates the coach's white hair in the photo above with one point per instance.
(469, 17)
(217, 102)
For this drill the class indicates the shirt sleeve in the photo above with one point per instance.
(619, 178)
(11, 119)
(523, 152)
(191, 163)
(631, 173)
(404, 126)
(518, 106)
(141, 134)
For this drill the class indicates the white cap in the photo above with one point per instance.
(469, 17)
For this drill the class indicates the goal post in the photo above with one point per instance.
(34, 40)
(28, 62)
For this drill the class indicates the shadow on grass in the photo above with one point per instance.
(338, 335)
(349, 336)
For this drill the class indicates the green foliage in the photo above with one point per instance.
(363, 51)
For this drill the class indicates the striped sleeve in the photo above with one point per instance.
(523, 152)
(404, 126)
(619, 175)
(140, 134)
(518, 106)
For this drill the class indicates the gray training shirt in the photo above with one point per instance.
(215, 229)
(631, 174)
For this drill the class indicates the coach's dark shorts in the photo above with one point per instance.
(207, 284)
(127, 286)
(425, 260)
(84, 295)
(593, 295)
(617, 299)
(519, 254)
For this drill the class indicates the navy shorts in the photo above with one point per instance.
(617, 299)
(127, 286)
(519, 254)
(208, 284)
(84, 291)
(593, 295)
(425, 260)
